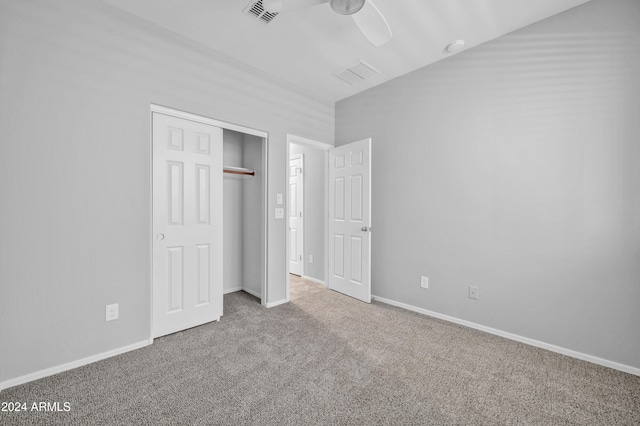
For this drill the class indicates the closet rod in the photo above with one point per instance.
(239, 171)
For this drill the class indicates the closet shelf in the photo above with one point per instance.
(240, 171)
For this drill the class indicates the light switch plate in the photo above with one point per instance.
(278, 198)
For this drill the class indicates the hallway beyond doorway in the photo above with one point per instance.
(301, 287)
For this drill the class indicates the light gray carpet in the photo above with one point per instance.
(329, 359)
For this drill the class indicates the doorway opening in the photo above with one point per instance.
(294, 213)
(307, 215)
(244, 227)
(341, 228)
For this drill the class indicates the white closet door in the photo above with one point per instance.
(350, 219)
(296, 226)
(187, 224)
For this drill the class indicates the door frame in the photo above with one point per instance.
(304, 213)
(156, 108)
(310, 143)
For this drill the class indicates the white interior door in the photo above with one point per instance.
(296, 225)
(350, 219)
(187, 224)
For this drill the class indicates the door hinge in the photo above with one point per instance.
(300, 257)
(300, 214)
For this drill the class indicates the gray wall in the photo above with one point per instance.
(515, 167)
(314, 207)
(76, 81)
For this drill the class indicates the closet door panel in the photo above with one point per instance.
(187, 224)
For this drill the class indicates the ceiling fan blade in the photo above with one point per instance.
(277, 6)
(372, 24)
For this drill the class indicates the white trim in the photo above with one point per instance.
(71, 365)
(287, 248)
(150, 158)
(315, 280)
(299, 140)
(251, 292)
(326, 218)
(246, 290)
(276, 303)
(264, 284)
(532, 342)
(206, 120)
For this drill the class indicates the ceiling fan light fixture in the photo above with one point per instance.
(346, 7)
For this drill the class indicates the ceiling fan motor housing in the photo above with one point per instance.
(346, 7)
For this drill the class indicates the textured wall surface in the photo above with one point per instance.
(515, 167)
(76, 81)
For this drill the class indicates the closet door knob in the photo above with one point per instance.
(365, 229)
(160, 237)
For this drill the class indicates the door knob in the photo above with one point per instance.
(365, 229)
(160, 237)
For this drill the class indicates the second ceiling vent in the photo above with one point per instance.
(356, 72)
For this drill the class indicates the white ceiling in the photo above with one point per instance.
(304, 47)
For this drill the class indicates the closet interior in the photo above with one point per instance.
(243, 216)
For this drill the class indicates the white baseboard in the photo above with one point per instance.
(251, 292)
(553, 348)
(276, 303)
(71, 365)
(315, 280)
(246, 290)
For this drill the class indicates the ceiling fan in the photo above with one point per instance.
(365, 14)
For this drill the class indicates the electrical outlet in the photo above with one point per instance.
(310, 258)
(474, 293)
(111, 312)
(424, 282)
(279, 213)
